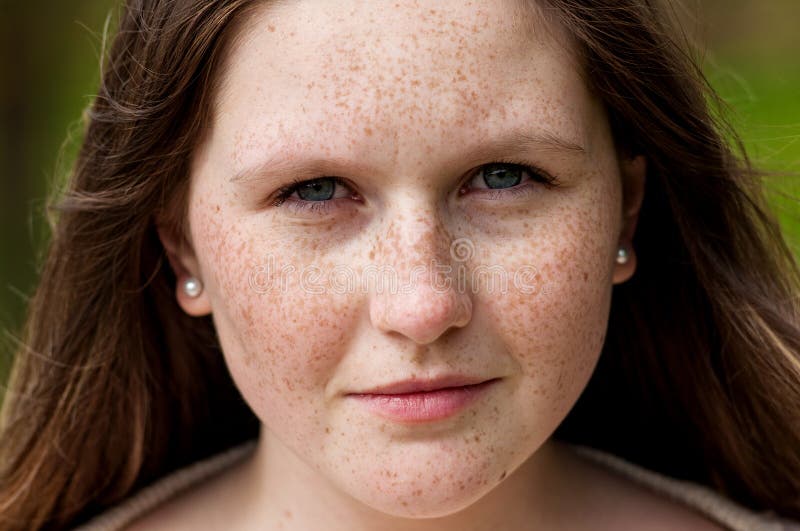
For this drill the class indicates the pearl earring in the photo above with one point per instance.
(192, 287)
(622, 255)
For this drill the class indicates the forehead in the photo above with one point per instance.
(368, 73)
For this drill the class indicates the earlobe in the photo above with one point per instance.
(192, 297)
(633, 172)
(625, 264)
(189, 291)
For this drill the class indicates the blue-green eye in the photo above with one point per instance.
(315, 193)
(317, 190)
(502, 175)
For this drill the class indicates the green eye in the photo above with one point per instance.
(318, 195)
(502, 175)
(499, 179)
(321, 189)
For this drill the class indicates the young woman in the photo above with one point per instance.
(406, 265)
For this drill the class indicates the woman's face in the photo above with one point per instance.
(427, 112)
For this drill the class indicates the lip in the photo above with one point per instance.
(421, 386)
(415, 401)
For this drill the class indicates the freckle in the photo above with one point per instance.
(368, 131)
(287, 514)
(271, 28)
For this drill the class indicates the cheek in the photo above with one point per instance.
(281, 337)
(553, 318)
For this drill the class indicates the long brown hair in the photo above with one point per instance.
(114, 386)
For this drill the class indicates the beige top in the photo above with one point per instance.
(701, 498)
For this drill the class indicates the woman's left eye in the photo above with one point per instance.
(319, 195)
(503, 176)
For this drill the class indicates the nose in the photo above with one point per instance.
(428, 299)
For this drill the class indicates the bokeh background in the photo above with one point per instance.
(49, 68)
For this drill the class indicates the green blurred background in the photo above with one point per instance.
(49, 57)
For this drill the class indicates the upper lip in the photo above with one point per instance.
(416, 385)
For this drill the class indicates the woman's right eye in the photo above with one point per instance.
(304, 194)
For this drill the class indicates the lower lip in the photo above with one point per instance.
(425, 406)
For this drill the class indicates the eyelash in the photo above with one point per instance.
(321, 207)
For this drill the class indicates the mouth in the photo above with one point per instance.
(427, 385)
(416, 401)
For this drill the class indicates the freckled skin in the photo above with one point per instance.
(401, 95)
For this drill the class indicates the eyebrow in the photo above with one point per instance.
(511, 142)
(517, 140)
(301, 169)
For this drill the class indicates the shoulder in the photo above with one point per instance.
(207, 504)
(171, 503)
(632, 497)
(185, 510)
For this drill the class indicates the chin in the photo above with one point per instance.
(420, 504)
(423, 492)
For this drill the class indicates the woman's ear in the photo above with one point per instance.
(633, 172)
(185, 266)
